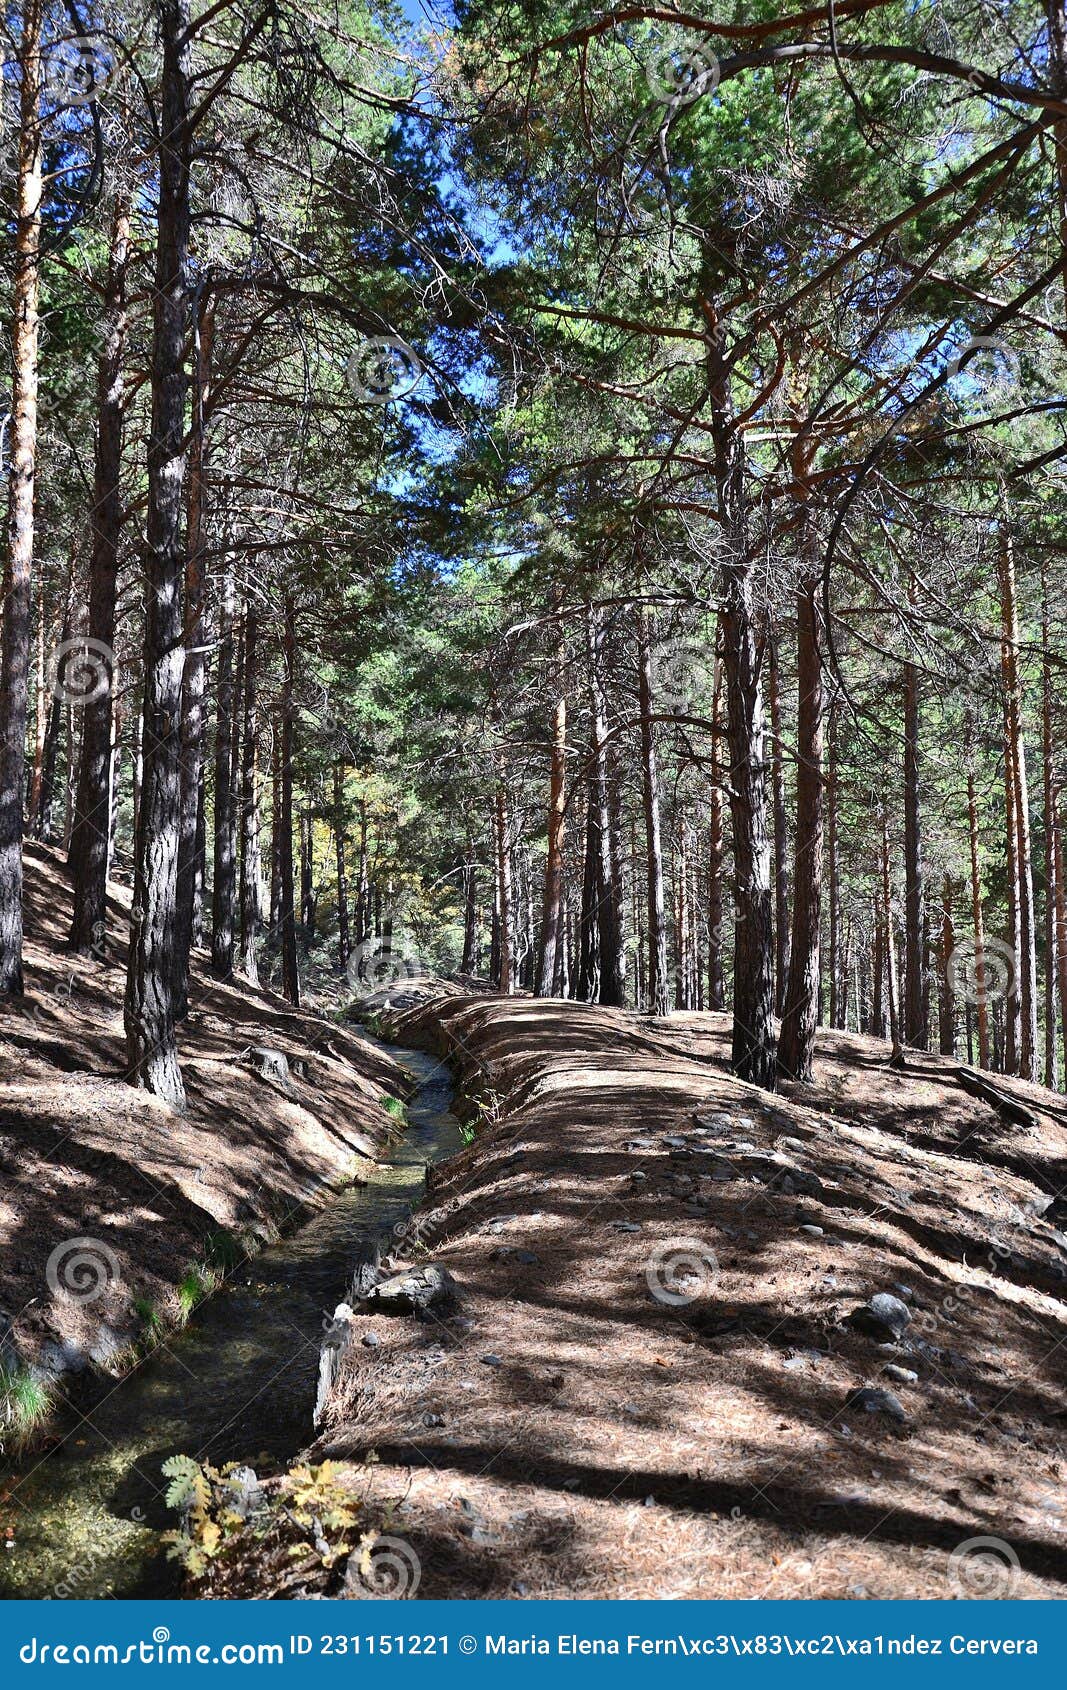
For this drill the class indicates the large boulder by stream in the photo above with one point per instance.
(417, 1291)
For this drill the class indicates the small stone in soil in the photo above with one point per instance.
(812, 1231)
(884, 1316)
(901, 1375)
(372, 1340)
(491, 1361)
(873, 1401)
(624, 1226)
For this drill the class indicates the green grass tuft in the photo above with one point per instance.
(25, 1405)
(223, 1251)
(150, 1318)
(195, 1284)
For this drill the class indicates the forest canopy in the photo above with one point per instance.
(569, 496)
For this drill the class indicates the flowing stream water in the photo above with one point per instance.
(238, 1383)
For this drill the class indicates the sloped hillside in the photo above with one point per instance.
(109, 1200)
(665, 1374)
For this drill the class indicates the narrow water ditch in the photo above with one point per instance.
(238, 1383)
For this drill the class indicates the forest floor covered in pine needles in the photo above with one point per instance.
(163, 1203)
(569, 1432)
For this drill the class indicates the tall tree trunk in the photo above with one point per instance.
(275, 838)
(286, 890)
(363, 881)
(18, 561)
(611, 955)
(548, 981)
(658, 1001)
(90, 842)
(716, 846)
(588, 973)
(892, 990)
(1061, 915)
(40, 716)
(503, 892)
(249, 891)
(753, 1044)
(1009, 1060)
(978, 924)
(194, 685)
(781, 834)
(469, 960)
(63, 657)
(878, 1015)
(149, 1010)
(833, 867)
(343, 928)
(916, 1026)
(1052, 959)
(796, 1044)
(946, 1006)
(1026, 957)
(224, 877)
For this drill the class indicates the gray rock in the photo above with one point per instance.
(812, 1231)
(883, 1317)
(900, 1375)
(270, 1064)
(870, 1400)
(243, 1492)
(371, 1340)
(107, 1344)
(624, 1226)
(62, 1357)
(416, 1292)
(491, 1361)
(798, 1181)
